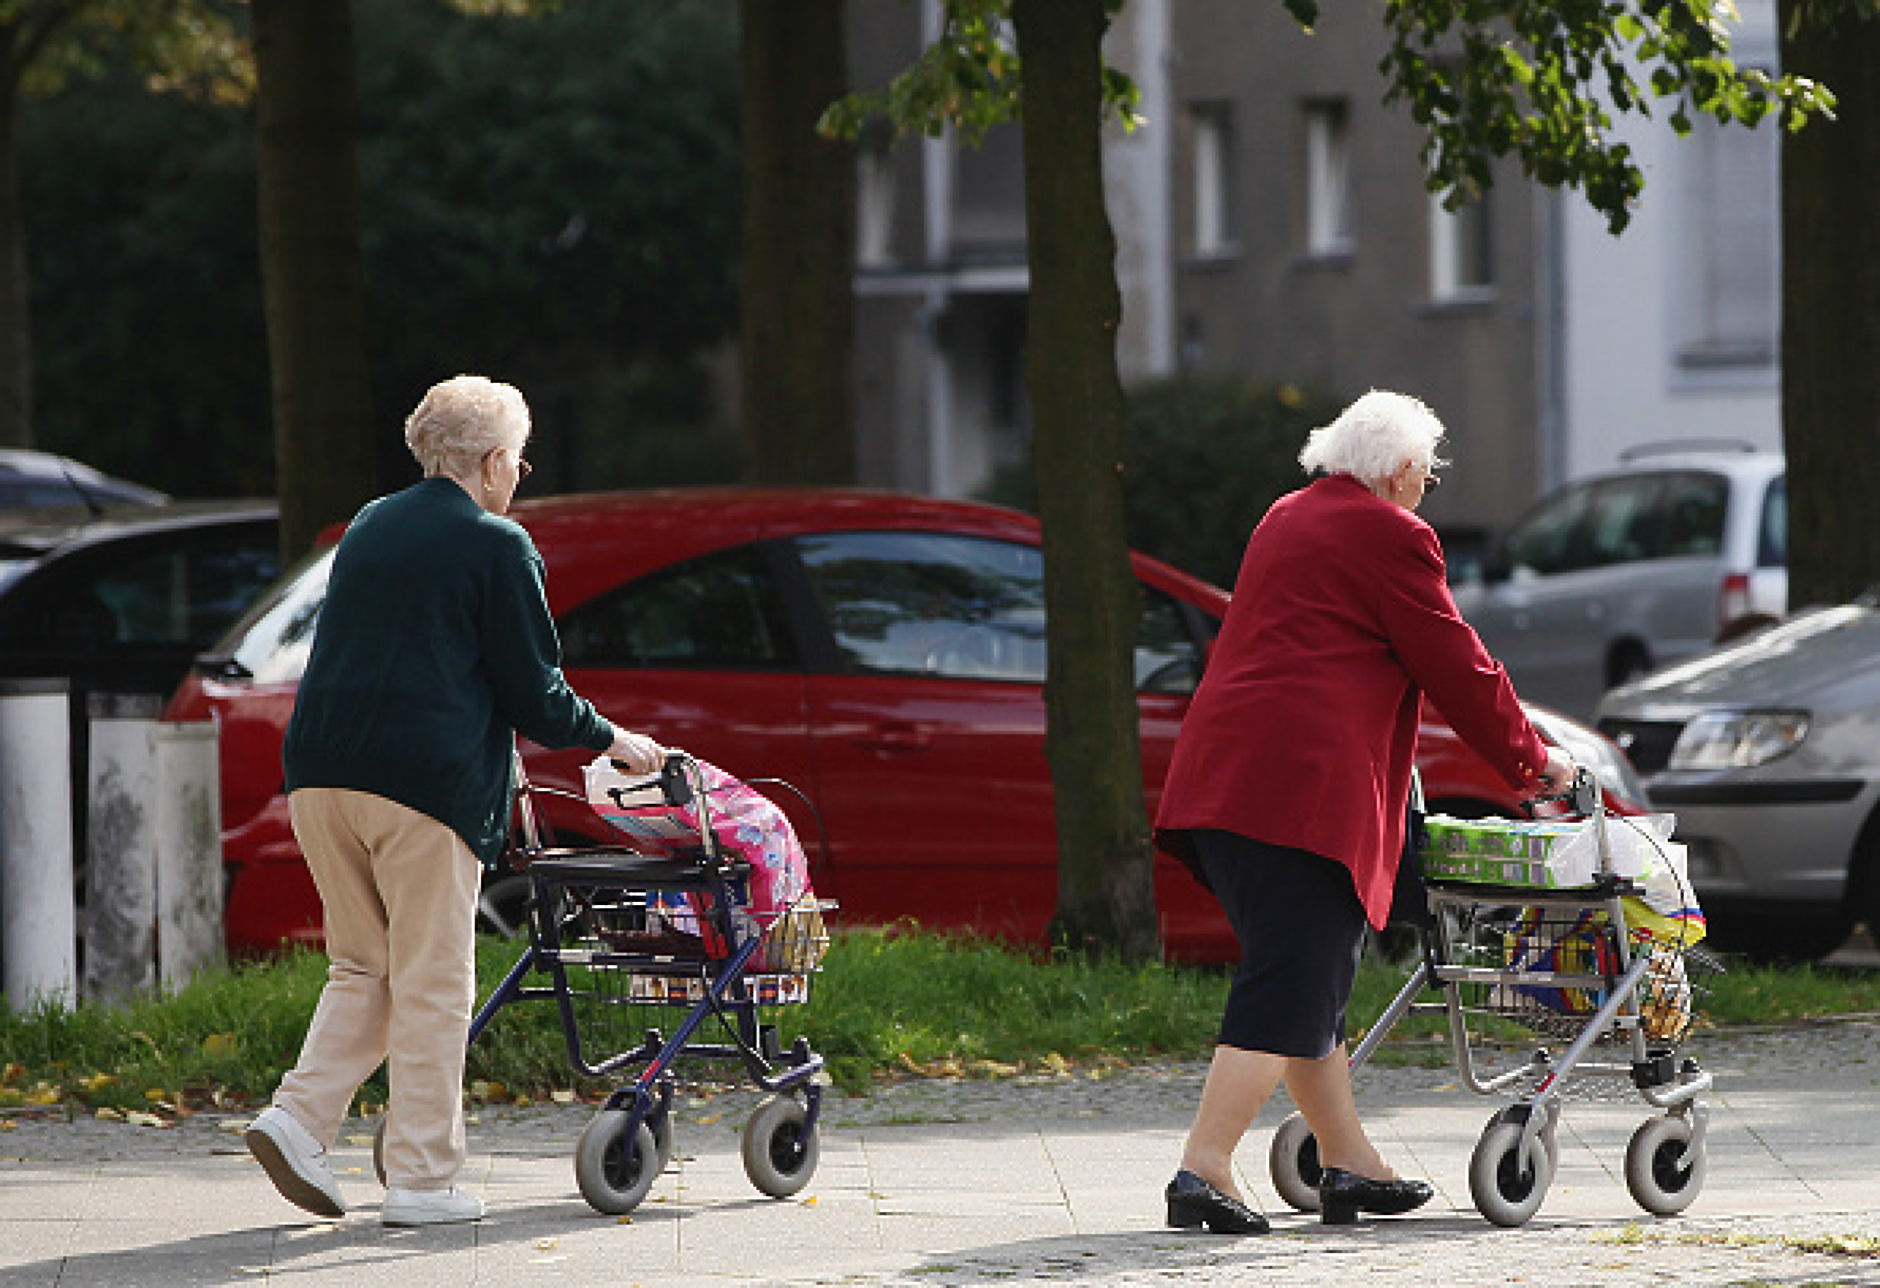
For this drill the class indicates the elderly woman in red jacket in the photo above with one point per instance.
(1288, 791)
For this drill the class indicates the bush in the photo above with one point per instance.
(1204, 456)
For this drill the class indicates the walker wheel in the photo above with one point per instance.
(614, 1173)
(779, 1155)
(1505, 1191)
(1662, 1171)
(1293, 1162)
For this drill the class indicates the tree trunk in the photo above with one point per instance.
(1106, 895)
(1831, 313)
(16, 350)
(799, 247)
(312, 280)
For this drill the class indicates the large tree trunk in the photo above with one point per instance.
(312, 281)
(16, 351)
(1831, 313)
(1106, 896)
(799, 247)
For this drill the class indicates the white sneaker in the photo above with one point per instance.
(295, 1162)
(429, 1207)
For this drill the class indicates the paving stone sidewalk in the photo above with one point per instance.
(963, 1182)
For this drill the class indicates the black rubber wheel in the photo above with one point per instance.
(1293, 1163)
(1662, 1172)
(779, 1156)
(614, 1173)
(1504, 1191)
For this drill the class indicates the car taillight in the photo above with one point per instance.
(1733, 598)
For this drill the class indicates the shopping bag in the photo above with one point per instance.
(770, 891)
(1547, 854)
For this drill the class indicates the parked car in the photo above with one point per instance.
(1768, 751)
(884, 653)
(123, 601)
(1615, 575)
(41, 480)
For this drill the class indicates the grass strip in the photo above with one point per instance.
(889, 1003)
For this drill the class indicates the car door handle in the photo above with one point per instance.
(896, 736)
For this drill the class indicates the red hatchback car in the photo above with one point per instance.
(884, 653)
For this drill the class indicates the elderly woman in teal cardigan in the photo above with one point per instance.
(435, 648)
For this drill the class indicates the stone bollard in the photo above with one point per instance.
(153, 890)
(38, 924)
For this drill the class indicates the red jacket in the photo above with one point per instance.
(1303, 730)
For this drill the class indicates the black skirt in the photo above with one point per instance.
(1301, 931)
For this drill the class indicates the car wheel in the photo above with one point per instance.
(1626, 663)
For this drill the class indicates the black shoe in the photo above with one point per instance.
(1192, 1202)
(1342, 1195)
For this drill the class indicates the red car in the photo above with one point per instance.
(882, 652)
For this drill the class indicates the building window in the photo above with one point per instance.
(1213, 131)
(1462, 264)
(1328, 181)
(1728, 307)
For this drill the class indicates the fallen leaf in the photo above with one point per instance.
(562, 1097)
(108, 1114)
(546, 1244)
(138, 1118)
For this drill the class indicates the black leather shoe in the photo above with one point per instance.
(1342, 1195)
(1192, 1202)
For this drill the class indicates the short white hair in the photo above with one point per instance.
(1372, 438)
(464, 419)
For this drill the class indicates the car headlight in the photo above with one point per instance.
(1593, 751)
(1738, 739)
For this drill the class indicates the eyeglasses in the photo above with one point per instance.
(523, 468)
(1431, 480)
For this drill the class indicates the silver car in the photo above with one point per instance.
(1617, 574)
(1768, 751)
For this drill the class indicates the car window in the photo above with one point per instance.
(1694, 506)
(272, 642)
(1772, 539)
(721, 611)
(1625, 522)
(179, 592)
(1553, 538)
(914, 603)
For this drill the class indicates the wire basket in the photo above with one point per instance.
(1555, 967)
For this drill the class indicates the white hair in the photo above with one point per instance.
(1372, 438)
(464, 419)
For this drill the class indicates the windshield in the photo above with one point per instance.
(13, 567)
(272, 640)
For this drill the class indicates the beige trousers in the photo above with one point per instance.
(400, 894)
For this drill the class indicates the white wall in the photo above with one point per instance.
(1137, 172)
(1627, 301)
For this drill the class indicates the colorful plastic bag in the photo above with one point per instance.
(771, 897)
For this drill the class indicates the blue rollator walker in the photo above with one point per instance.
(1560, 963)
(618, 960)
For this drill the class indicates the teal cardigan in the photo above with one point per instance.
(434, 648)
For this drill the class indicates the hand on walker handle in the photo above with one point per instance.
(636, 753)
(1557, 777)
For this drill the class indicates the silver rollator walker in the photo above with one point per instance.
(1485, 949)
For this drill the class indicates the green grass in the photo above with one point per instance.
(887, 1004)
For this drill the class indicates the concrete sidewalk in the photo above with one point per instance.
(967, 1183)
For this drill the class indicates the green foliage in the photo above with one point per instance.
(1540, 82)
(1203, 458)
(969, 80)
(552, 200)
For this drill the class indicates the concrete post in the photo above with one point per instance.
(38, 930)
(190, 936)
(119, 922)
